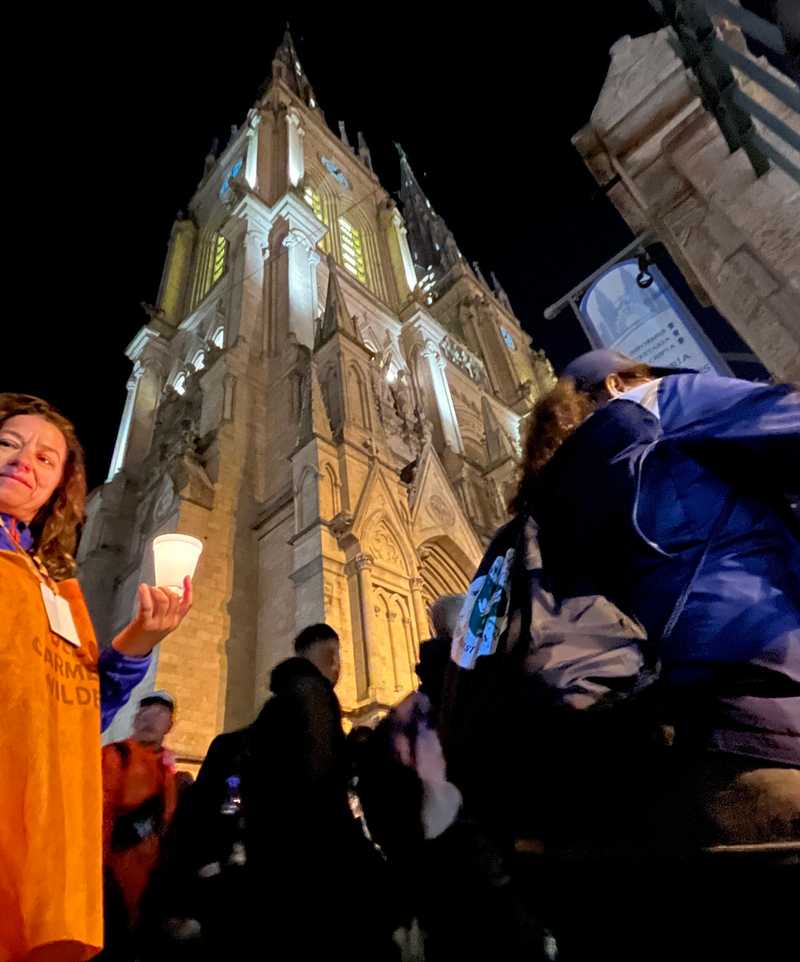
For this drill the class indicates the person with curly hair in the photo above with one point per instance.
(670, 493)
(56, 690)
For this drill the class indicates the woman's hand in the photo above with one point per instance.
(416, 743)
(160, 612)
(417, 746)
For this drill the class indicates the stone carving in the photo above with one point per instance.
(543, 369)
(379, 375)
(528, 393)
(384, 547)
(403, 399)
(440, 511)
(395, 401)
(424, 429)
(465, 360)
(342, 524)
(296, 238)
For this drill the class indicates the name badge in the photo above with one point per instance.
(59, 615)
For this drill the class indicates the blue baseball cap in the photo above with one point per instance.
(594, 367)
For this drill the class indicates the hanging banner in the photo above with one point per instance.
(650, 324)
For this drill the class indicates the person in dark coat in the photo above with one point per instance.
(434, 653)
(266, 843)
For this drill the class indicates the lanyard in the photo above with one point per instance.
(34, 560)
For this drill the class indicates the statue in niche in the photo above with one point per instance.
(384, 398)
(528, 393)
(403, 399)
(543, 370)
(383, 356)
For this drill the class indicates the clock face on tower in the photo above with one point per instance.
(226, 182)
(336, 172)
(510, 342)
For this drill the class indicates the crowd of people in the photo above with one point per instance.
(602, 758)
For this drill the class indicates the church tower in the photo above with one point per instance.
(329, 397)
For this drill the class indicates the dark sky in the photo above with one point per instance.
(125, 111)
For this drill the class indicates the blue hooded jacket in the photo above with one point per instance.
(672, 501)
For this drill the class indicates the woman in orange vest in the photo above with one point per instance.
(54, 687)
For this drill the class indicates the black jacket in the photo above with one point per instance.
(294, 770)
(302, 844)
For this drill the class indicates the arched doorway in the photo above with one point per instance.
(444, 569)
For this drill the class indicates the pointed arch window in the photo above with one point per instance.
(314, 200)
(210, 266)
(220, 253)
(352, 245)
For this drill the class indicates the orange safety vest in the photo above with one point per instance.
(51, 893)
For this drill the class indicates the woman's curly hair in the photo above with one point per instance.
(55, 527)
(553, 419)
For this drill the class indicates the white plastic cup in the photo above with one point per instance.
(175, 556)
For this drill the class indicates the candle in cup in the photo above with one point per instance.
(175, 556)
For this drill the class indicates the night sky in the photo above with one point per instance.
(484, 108)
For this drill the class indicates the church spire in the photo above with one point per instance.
(335, 317)
(433, 246)
(314, 419)
(500, 293)
(286, 67)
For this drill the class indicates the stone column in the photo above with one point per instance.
(411, 646)
(303, 293)
(121, 447)
(150, 374)
(247, 231)
(251, 156)
(295, 158)
(362, 564)
(421, 615)
(399, 251)
(294, 299)
(405, 250)
(436, 365)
